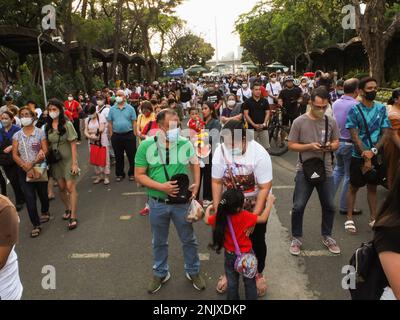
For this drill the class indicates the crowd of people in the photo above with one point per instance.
(214, 133)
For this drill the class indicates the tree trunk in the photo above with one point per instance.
(117, 36)
(67, 66)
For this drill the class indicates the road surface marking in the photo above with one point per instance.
(204, 256)
(134, 194)
(317, 253)
(90, 255)
(282, 187)
(125, 218)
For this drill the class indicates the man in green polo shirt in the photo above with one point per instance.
(178, 155)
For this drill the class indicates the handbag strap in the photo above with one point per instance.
(366, 126)
(161, 158)
(231, 175)
(232, 232)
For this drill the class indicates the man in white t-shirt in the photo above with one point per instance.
(244, 93)
(10, 283)
(246, 165)
(274, 88)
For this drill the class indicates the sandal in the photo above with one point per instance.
(222, 284)
(98, 180)
(371, 223)
(36, 232)
(45, 217)
(73, 224)
(67, 215)
(350, 227)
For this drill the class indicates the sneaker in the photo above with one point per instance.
(331, 245)
(144, 212)
(119, 179)
(132, 178)
(106, 181)
(156, 283)
(197, 281)
(97, 180)
(295, 247)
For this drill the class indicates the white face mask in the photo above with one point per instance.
(231, 103)
(119, 99)
(100, 103)
(54, 115)
(5, 123)
(70, 98)
(245, 86)
(173, 134)
(26, 122)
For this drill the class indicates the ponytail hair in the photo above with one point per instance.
(231, 203)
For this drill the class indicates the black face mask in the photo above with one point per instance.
(370, 96)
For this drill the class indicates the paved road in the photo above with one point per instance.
(109, 255)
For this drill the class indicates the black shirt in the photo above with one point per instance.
(186, 94)
(257, 110)
(387, 239)
(289, 98)
(213, 97)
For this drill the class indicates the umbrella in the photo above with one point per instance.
(309, 74)
(196, 69)
(276, 65)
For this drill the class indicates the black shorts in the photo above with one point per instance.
(357, 179)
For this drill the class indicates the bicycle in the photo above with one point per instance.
(278, 146)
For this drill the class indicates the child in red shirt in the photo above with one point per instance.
(195, 123)
(232, 205)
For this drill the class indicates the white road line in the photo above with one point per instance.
(317, 253)
(125, 218)
(90, 255)
(134, 194)
(204, 256)
(282, 187)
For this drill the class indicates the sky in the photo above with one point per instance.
(200, 17)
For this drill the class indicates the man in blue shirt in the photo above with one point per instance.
(365, 151)
(122, 129)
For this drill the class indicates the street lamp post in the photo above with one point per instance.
(41, 69)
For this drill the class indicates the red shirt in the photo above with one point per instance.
(240, 222)
(196, 125)
(68, 114)
(151, 132)
(73, 107)
(264, 92)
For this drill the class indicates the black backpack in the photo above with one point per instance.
(370, 278)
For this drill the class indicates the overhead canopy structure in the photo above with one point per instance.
(24, 42)
(276, 65)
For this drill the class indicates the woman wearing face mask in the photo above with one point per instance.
(95, 131)
(213, 127)
(144, 118)
(29, 150)
(232, 110)
(10, 168)
(245, 165)
(75, 109)
(244, 93)
(62, 137)
(392, 146)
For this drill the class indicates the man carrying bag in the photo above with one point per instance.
(161, 165)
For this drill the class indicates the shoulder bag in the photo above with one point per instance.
(378, 174)
(314, 169)
(245, 263)
(184, 194)
(54, 155)
(39, 170)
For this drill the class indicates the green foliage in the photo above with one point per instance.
(356, 73)
(29, 90)
(190, 50)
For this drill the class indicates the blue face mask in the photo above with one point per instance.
(173, 134)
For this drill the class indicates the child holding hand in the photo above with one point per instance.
(231, 207)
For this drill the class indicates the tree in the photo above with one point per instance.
(147, 15)
(190, 50)
(377, 27)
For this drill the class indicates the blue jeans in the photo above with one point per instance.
(302, 193)
(342, 172)
(233, 281)
(160, 217)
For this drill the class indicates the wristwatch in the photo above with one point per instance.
(374, 151)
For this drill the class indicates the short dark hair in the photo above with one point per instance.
(161, 115)
(193, 109)
(364, 81)
(351, 85)
(340, 83)
(256, 84)
(8, 98)
(31, 102)
(146, 105)
(320, 92)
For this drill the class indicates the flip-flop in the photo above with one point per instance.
(350, 227)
